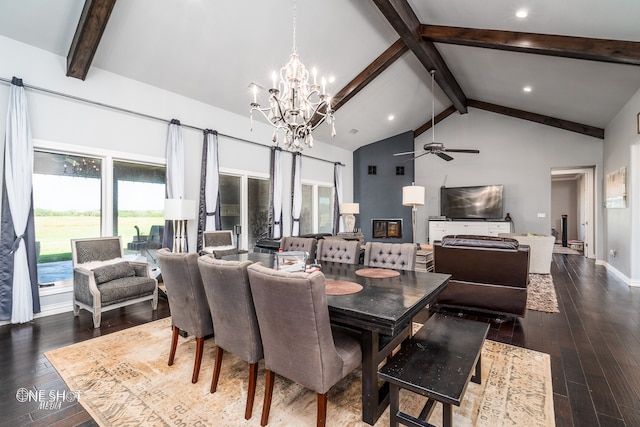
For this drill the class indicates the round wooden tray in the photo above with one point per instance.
(377, 273)
(342, 287)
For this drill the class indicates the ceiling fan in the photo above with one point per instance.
(439, 150)
(434, 147)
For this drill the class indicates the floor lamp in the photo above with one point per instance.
(413, 195)
(179, 211)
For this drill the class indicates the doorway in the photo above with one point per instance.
(574, 190)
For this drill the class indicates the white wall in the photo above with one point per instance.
(513, 152)
(62, 120)
(623, 225)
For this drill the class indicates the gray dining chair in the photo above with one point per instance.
(304, 244)
(298, 340)
(336, 250)
(187, 301)
(397, 256)
(226, 284)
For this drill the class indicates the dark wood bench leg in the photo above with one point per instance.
(447, 415)
(394, 404)
(477, 376)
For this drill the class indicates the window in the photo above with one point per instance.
(67, 204)
(317, 210)
(325, 209)
(306, 215)
(229, 190)
(138, 205)
(258, 209)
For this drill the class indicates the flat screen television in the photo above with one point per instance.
(478, 202)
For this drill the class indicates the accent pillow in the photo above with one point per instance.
(95, 264)
(111, 272)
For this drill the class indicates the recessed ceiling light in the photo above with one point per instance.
(332, 79)
(522, 13)
(391, 117)
(527, 88)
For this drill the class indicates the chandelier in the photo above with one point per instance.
(296, 106)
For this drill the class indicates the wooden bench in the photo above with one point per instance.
(437, 362)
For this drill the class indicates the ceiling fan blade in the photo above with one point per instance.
(460, 150)
(413, 158)
(405, 153)
(446, 157)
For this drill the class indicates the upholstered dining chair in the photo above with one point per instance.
(397, 256)
(299, 342)
(335, 250)
(304, 244)
(226, 284)
(103, 280)
(187, 301)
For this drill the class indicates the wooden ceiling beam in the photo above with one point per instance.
(616, 51)
(539, 118)
(91, 25)
(440, 117)
(372, 71)
(404, 20)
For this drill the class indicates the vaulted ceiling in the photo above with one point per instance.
(579, 57)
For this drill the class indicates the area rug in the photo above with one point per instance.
(541, 294)
(124, 380)
(559, 249)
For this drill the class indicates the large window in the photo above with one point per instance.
(230, 196)
(317, 211)
(258, 209)
(67, 205)
(138, 205)
(325, 209)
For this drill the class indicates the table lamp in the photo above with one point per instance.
(348, 211)
(413, 195)
(179, 211)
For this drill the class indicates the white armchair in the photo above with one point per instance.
(540, 250)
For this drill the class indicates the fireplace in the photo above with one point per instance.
(386, 228)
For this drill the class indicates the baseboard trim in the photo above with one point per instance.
(619, 274)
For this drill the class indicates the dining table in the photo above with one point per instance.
(382, 311)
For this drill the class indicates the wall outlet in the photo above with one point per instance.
(542, 215)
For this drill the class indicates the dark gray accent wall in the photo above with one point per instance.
(380, 195)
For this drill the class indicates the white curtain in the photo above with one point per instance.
(175, 161)
(212, 181)
(296, 205)
(337, 217)
(175, 174)
(277, 193)
(18, 178)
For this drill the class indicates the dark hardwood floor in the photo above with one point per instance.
(594, 344)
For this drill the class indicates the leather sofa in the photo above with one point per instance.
(488, 274)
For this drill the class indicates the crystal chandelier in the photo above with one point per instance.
(296, 107)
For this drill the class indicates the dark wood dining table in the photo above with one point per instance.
(382, 311)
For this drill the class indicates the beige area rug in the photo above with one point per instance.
(559, 249)
(541, 294)
(124, 380)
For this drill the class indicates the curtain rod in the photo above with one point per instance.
(148, 116)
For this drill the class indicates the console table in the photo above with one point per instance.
(439, 229)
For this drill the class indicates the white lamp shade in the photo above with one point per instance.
(350, 208)
(413, 195)
(179, 209)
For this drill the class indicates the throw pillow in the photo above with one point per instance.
(111, 272)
